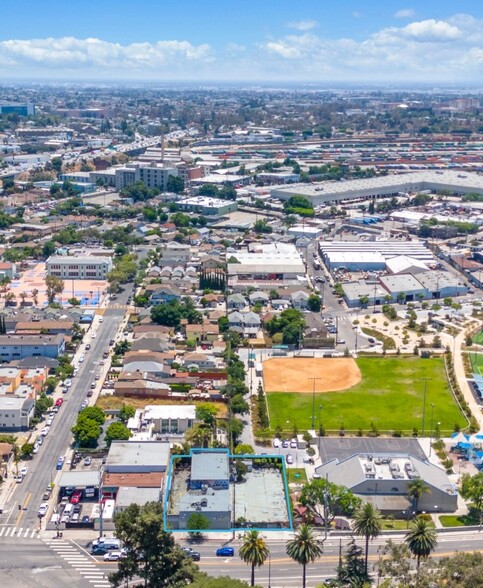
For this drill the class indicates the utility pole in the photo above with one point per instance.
(425, 380)
(313, 401)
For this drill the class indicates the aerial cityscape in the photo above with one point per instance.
(241, 294)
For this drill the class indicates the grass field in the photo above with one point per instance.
(390, 395)
(478, 338)
(476, 360)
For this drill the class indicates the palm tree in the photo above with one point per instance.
(253, 551)
(421, 539)
(35, 294)
(368, 524)
(304, 548)
(416, 489)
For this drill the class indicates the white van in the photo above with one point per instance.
(55, 518)
(69, 508)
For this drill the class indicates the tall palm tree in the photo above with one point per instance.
(253, 551)
(304, 548)
(368, 524)
(421, 539)
(416, 488)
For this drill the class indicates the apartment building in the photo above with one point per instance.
(79, 268)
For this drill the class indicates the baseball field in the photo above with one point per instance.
(385, 391)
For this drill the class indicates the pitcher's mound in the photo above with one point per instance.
(292, 374)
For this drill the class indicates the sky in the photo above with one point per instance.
(367, 41)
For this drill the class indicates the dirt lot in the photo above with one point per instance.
(293, 374)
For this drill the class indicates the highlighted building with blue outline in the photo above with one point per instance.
(212, 483)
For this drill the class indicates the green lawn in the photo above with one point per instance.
(476, 360)
(458, 521)
(296, 475)
(390, 395)
(478, 338)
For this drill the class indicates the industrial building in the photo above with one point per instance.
(27, 109)
(208, 206)
(272, 262)
(383, 186)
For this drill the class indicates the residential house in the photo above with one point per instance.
(300, 299)
(236, 301)
(162, 293)
(201, 361)
(246, 323)
(205, 332)
(210, 262)
(259, 297)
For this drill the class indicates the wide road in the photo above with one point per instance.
(42, 467)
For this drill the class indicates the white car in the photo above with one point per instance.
(40, 440)
(49, 421)
(45, 431)
(101, 320)
(113, 556)
(19, 479)
(68, 383)
(276, 443)
(36, 448)
(43, 508)
(81, 358)
(94, 335)
(293, 444)
(24, 470)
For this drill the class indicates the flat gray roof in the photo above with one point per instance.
(210, 465)
(335, 448)
(138, 453)
(127, 495)
(79, 479)
(216, 501)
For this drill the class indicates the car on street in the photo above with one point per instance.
(225, 552)
(195, 555)
(75, 372)
(88, 460)
(68, 383)
(36, 448)
(40, 440)
(289, 458)
(45, 431)
(49, 421)
(19, 479)
(90, 393)
(81, 358)
(293, 444)
(101, 320)
(276, 443)
(59, 402)
(97, 377)
(24, 470)
(43, 508)
(340, 341)
(113, 555)
(285, 443)
(94, 335)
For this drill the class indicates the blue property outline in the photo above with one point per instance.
(194, 450)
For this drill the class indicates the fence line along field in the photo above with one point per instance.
(295, 374)
(389, 396)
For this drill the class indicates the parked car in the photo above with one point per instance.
(76, 496)
(19, 479)
(43, 508)
(24, 470)
(36, 448)
(88, 460)
(276, 443)
(47, 494)
(88, 347)
(59, 402)
(85, 519)
(195, 555)
(113, 555)
(293, 444)
(289, 458)
(285, 443)
(225, 552)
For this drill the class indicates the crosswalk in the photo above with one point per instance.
(9, 531)
(80, 560)
(120, 306)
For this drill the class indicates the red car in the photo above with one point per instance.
(76, 496)
(59, 402)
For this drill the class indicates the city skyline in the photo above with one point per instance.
(358, 42)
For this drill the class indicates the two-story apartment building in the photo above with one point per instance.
(15, 413)
(21, 346)
(79, 268)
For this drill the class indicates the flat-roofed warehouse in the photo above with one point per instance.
(277, 261)
(381, 186)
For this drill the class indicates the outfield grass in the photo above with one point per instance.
(390, 395)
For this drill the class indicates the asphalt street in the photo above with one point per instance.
(42, 466)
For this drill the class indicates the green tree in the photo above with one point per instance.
(244, 449)
(304, 548)
(421, 539)
(472, 489)
(416, 489)
(95, 413)
(367, 524)
(151, 553)
(175, 184)
(126, 412)
(208, 190)
(253, 551)
(352, 570)
(198, 522)
(327, 500)
(117, 431)
(168, 314)
(54, 286)
(205, 581)
(206, 413)
(27, 449)
(314, 303)
(86, 431)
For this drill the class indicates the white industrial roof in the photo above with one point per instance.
(404, 264)
(170, 411)
(350, 256)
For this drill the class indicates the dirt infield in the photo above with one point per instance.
(293, 374)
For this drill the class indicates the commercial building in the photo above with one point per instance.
(154, 175)
(15, 413)
(21, 346)
(27, 109)
(442, 284)
(404, 287)
(208, 206)
(321, 193)
(384, 480)
(79, 268)
(137, 457)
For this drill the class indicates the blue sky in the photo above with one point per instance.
(262, 40)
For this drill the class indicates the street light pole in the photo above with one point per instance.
(425, 380)
(269, 571)
(431, 432)
(313, 401)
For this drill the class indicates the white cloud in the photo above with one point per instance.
(404, 13)
(302, 25)
(432, 29)
(69, 52)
